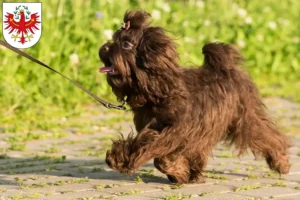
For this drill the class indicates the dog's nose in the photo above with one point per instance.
(106, 48)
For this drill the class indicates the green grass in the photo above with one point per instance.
(34, 98)
(176, 197)
(66, 191)
(87, 198)
(98, 169)
(130, 192)
(210, 193)
(147, 173)
(279, 184)
(99, 187)
(253, 176)
(249, 187)
(138, 179)
(174, 187)
(17, 147)
(53, 149)
(214, 176)
(3, 190)
(3, 156)
(225, 155)
(56, 183)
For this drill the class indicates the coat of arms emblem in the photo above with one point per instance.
(22, 24)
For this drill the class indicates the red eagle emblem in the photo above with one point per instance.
(23, 26)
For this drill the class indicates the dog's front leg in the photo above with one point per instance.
(128, 155)
(143, 148)
(122, 152)
(150, 144)
(117, 158)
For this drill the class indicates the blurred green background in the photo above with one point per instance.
(267, 31)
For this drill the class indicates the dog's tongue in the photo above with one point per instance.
(106, 69)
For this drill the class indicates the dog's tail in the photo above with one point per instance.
(221, 57)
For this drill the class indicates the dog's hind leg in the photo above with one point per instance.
(176, 167)
(264, 139)
(182, 169)
(273, 145)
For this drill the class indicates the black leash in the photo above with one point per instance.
(104, 103)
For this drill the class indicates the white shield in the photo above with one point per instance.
(22, 24)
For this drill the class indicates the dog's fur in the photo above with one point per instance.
(180, 114)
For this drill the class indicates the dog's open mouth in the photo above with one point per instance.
(109, 70)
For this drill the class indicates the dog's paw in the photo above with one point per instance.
(118, 157)
(114, 161)
(198, 180)
(110, 160)
(118, 164)
(127, 171)
(280, 164)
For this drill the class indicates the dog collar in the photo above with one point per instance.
(140, 102)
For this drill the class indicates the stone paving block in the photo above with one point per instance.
(9, 187)
(203, 189)
(137, 197)
(113, 175)
(217, 177)
(19, 194)
(260, 181)
(36, 167)
(259, 184)
(193, 190)
(76, 195)
(292, 196)
(132, 189)
(71, 187)
(223, 196)
(225, 166)
(294, 149)
(295, 197)
(270, 192)
(165, 195)
(155, 194)
(294, 168)
(155, 180)
(292, 177)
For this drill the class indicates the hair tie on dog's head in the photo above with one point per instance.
(126, 25)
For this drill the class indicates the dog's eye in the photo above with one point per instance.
(127, 45)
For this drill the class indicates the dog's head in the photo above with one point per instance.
(140, 61)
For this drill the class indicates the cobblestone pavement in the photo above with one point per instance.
(69, 164)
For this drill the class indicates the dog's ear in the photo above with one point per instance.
(156, 48)
(138, 19)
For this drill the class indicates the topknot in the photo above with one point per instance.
(137, 19)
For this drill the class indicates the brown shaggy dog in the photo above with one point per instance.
(180, 114)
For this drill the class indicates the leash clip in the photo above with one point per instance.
(118, 107)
